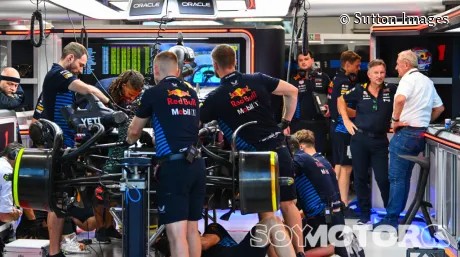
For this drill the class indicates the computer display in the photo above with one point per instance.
(108, 59)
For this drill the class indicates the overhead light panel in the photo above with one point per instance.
(258, 19)
(185, 23)
(152, 38)
(453, 30)
(122, 5)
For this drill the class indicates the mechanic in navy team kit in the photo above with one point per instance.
(60, 85)
(174, 109)
(308, 114)
(243, 98)
(317, 190)
(217, 242)
(369, 141)
(342, 82)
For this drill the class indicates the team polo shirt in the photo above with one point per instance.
(307, 84)
(372, 114)
(339, 86)
(175, 113)
(316, 183)
(56, 94)
(39, 107)
(243, 98)
(225, 242)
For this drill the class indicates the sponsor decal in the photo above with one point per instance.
(91, 121)
(146, 5)
(183, 111)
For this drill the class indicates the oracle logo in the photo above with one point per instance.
(197, 4)
(146, 5)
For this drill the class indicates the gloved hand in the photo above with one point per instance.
(126, 143)
(111, 105)
(146, 139)
(284, 124)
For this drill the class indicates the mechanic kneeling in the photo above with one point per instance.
(318, 191)
(173, 107)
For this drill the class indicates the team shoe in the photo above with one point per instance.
(365, 220)
(113, 233)
(350, 213)
(70, 245)
(385, 224)
(102, 237)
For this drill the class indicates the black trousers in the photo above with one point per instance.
(368, 152)
(318, 127)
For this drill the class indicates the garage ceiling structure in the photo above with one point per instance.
(226, 9)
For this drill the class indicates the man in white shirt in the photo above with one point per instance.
(416, 104)
(8, 212)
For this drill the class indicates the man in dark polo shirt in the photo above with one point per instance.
(369, 142)
(174, 110)
(308, 114)
(243, 98)
(342, 82)
(59, 88)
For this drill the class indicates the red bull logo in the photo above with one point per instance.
(178, 93)
(239, 92)
(424, 58)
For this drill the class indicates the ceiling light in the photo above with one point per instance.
(453, 30)
(121, 5)
(258, 19)
(152, 38)
(185, 23)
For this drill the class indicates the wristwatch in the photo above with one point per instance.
(393, 119)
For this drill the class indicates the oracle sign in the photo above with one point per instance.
(146, 7)
(196, 7)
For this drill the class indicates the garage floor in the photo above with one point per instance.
(239, 225)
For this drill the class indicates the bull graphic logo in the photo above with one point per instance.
(239, 92)
(424, 58)
(178, 93)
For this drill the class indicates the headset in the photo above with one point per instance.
(36, 129)
(11, 150)
(185, 57)
(352, 76)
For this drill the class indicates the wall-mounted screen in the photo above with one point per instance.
(109, 58)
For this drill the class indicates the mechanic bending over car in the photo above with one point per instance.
(174, 109)
(125, 91)
(243, 98)
(61, 84)
(217, 242)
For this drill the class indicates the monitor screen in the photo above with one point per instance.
(109, 58)
(202, 72)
